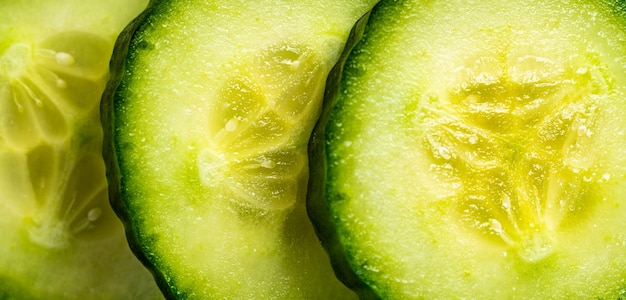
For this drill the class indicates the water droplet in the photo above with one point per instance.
(444, 153)
(496, 225)
(268, 164)
(473, 139)
(64, 59)
(61, 83)
(94, 214)
(582, 130)
(231, 125)
(506, 202)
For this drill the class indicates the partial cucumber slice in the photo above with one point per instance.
(210, 125)
(475, 150)
(61, 239)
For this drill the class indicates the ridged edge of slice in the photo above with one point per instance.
(107, 118)
(317, 205)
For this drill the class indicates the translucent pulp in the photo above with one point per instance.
(516, 138)
(256, 155)
(51, 165)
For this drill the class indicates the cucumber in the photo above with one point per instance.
(206, 131)
(60, 236)
(475, 150)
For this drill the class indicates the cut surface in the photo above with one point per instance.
(61, 238)
(49, 94)
(484, 162)
(212, 144)
(518, 147)
(252, 124)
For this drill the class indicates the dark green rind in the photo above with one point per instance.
(110, 154)
(321, 193)
(317, 205)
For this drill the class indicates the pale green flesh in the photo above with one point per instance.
(211, 127)
(484, 162)
(61, 239)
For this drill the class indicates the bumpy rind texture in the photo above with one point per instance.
(317, 206)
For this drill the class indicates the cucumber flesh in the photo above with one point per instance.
(61, 238)
(209, 125)
(486, 162)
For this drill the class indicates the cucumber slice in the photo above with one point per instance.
(61, 238)
(475, 150)
(209, 126)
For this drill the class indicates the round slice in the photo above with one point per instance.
(209, 125)
(61, 238)
(476, 151)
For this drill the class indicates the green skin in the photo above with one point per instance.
(319, 211)
(113, 172)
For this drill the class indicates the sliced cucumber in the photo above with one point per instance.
(61, 239)
(475, 150)
(209, 126)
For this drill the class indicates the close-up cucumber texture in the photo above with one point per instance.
(60, 236)
(476, 150)
(206, 133)
(232, 149)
